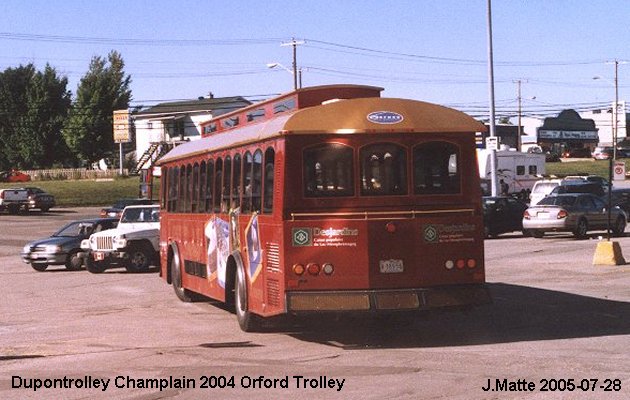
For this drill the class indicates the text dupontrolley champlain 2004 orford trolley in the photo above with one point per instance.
(326, 199)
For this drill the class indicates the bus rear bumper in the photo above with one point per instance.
(388, 300)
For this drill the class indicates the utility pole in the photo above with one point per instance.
(519, 140)
(493, 153)
(294, 44)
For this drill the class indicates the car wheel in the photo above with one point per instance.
(95, 267)
(246, 320)
(139, 259)
(619, 227)
(74, 262)
(537, 234)
(45, 209)
(581, 229)
(39, 267)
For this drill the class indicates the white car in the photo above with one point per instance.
(134, 243)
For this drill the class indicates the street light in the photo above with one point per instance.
(278, 65)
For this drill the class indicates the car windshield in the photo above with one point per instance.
(544, 187)
(557, 201)
(149, 214)
(75, 229)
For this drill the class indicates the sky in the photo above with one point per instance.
(429, 50)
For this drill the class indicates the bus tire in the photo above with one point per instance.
(184, 295)
(246, 319)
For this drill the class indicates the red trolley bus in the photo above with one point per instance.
(326, 199)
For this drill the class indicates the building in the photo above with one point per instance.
(507, 134)
(568, 134)
(173, 122)
(605, 121)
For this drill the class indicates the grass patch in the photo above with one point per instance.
(588, 166)
(73, 193)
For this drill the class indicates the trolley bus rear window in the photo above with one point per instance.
(328, 171)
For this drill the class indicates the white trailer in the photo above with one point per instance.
(519, 170)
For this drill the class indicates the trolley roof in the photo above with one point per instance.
(339, 117)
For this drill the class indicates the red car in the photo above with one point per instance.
(14, 176)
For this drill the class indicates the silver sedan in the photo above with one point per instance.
(572, 212)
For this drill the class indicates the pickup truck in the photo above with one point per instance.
(134, 243)
(13, 200)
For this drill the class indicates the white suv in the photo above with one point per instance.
(134, 243)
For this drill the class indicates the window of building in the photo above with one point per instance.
(328, 171)
(436, 168)
(383, 170)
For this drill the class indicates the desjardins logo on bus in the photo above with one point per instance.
(320, 236)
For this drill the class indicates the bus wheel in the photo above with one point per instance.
(246, 320)
(176, 273)
(39, 267)
(139, 259)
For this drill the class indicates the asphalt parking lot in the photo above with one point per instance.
(557, 323)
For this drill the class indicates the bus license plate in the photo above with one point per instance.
(99, 256)
(391, 266)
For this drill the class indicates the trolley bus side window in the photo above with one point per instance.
(383, 169)
(328, 171)
(436, 168)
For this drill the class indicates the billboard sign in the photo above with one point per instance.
(122, 126)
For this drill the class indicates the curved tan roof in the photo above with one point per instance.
(351, 115)
(343, 116)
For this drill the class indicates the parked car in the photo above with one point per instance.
(115, 211)
(40, 199)
(63, 246)
(14, 176)
(541, 189)
(572, 212)
(579, 152)
(621, 198)
(502, 214)
(602, 152)
(579, 187)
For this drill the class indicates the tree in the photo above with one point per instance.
(33, 105)
(48, 103)
(88, 131)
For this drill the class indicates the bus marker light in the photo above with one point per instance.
(461, 264)
(449, 264)
(313, 268)
(471, 263)
(298, 269)
(328, 268)
(390, 227)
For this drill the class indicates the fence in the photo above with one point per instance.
(73, 173)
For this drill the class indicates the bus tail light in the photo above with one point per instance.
(298, 269)
(449, 264)
(562, 214)
(390, 227)
(313, 269)
(461, 263)
(471, 263)
(328, 269)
